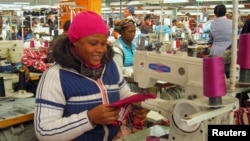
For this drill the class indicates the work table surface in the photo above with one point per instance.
(16, 110)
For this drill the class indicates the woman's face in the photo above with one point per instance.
(147, 21)
(25, 31)
(128, 33)
(126, 13)
(91, 49)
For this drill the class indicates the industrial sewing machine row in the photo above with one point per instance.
(189, 117)
(11, 53)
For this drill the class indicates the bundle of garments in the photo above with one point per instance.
(35, 58)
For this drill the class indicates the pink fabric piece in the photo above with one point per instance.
(132, 99)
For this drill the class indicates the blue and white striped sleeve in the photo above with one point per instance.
(49, 121)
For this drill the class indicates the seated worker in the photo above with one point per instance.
(27, 32)
(146, 27)
(52, 22)
(124, 47)
(221, 31)
(36, 24)
(128, 13)
(73, 95)
(174, 28)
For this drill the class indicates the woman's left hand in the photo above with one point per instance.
(139, 117)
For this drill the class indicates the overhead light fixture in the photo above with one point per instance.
(21, 3)
(134, 3)
(215, 0)
(142, 12)
(175, 1)
(105, 8)
(116, 3)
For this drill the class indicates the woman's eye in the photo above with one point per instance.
(93, 43)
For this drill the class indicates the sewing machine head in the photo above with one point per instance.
(149, 67)
(11, 52)
(188, 116)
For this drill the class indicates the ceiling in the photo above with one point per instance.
(172, 2)
(189, 6)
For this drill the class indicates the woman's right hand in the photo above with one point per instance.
(103, 114)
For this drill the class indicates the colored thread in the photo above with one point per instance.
(32, 44)
(243, 51)
(46, 43)
(2, 88)
(21, 82)
(213, 77)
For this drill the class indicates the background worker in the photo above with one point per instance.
(124, 47)
(221, 31)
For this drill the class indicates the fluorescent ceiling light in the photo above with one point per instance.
(134, 3)
(245, 10)
(105, 8)
(231, 6)
(228, 6)
(21, 3)
(174, 1)
(142, 12)
(166, 1)
(166, 12)
(216, 0)
(116, 3)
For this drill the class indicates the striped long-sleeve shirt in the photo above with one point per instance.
(63, 98)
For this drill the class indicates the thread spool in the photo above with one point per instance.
(46, 43)
(244, 58)
(243, 51)
(178, 43)
(214, 79)
(32, 44)
(173, 44)
(2, 88)
(21, 81)
(22, 93)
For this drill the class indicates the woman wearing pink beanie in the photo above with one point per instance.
(73, 95)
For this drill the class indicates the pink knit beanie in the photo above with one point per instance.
(85, 24)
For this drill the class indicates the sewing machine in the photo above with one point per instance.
(189, 117)
(11, 53)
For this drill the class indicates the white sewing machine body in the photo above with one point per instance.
(178, 69)
(11, 53)
(189, 117)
